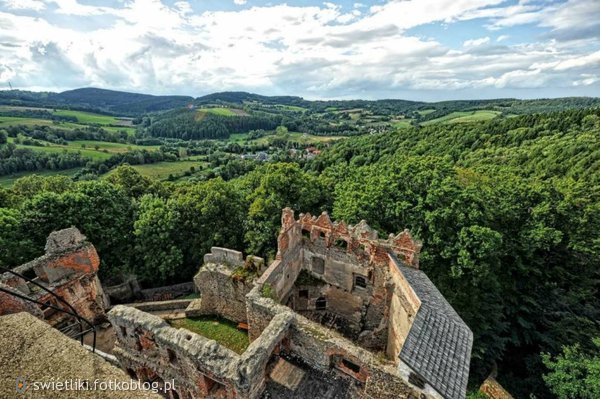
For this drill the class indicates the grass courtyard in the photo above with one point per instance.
(221, 330)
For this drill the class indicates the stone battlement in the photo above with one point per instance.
(354, 238)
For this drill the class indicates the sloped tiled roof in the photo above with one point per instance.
(438, 345)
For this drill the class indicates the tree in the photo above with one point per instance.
(99, 209)
(130, 181)
(270, 189)
(212, 214)
(155, 241)
(13, 245)
(575, 373)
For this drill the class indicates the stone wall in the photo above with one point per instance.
(493, 390)
(10, 304)
(404, 305)
(224, 256)
(324, 349)
(69, 269)
(168, 292)
(125, 292)
(360, 239)
(148, 348)
(352, 262)
(159, 306)
(221, 294)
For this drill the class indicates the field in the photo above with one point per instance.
(222, 111)
(476, 117)
(162, 170)
(6, 121)
(223, 331)
(97, 150)
(7, 181)
(402, 123)
(88, 117)
(463, 117)
(109, 123)
(297, 137)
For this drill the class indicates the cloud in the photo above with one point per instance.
(476, 42)
(318, 51)
(240, 2)
(73, 7)
(502, 38)
(34, 5)
(570, 20)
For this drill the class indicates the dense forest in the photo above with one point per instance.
(508, 211)
(98, 100)
(191, 124)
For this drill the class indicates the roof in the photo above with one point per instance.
(438, 345)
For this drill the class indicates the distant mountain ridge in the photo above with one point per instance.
(99, 100)
(135, 104)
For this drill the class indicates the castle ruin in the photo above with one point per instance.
(69, 269)
(339, 313)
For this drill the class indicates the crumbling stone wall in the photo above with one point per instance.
(221, 294)
(10, 304)
(148, 348)
(223, 282)
(352, 262)
(168, 292)
(493, 390)
(325, 349)
(125, 292)
(69, 269)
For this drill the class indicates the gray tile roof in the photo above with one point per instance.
(438, 345)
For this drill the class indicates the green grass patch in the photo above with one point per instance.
(116, 129)
(162, 170)
(55, 148)
(221, 330)
(291, 108)
(402, 123)
(13, 121)
(8, 180)
(93, 149)
(267, 291)
(424, 112)
(222, 111)
(476, 117)
(88, 117)
(84, 119)
(464, 117)
(113, 148)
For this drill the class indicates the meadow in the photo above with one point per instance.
(162, 170)
(97, 150)
(7, 181)
(464, 117)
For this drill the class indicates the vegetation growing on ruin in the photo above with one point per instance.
(306, 278)
(243, 274)
(267, 291)
(221, 330)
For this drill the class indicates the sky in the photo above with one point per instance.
(410, 49)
